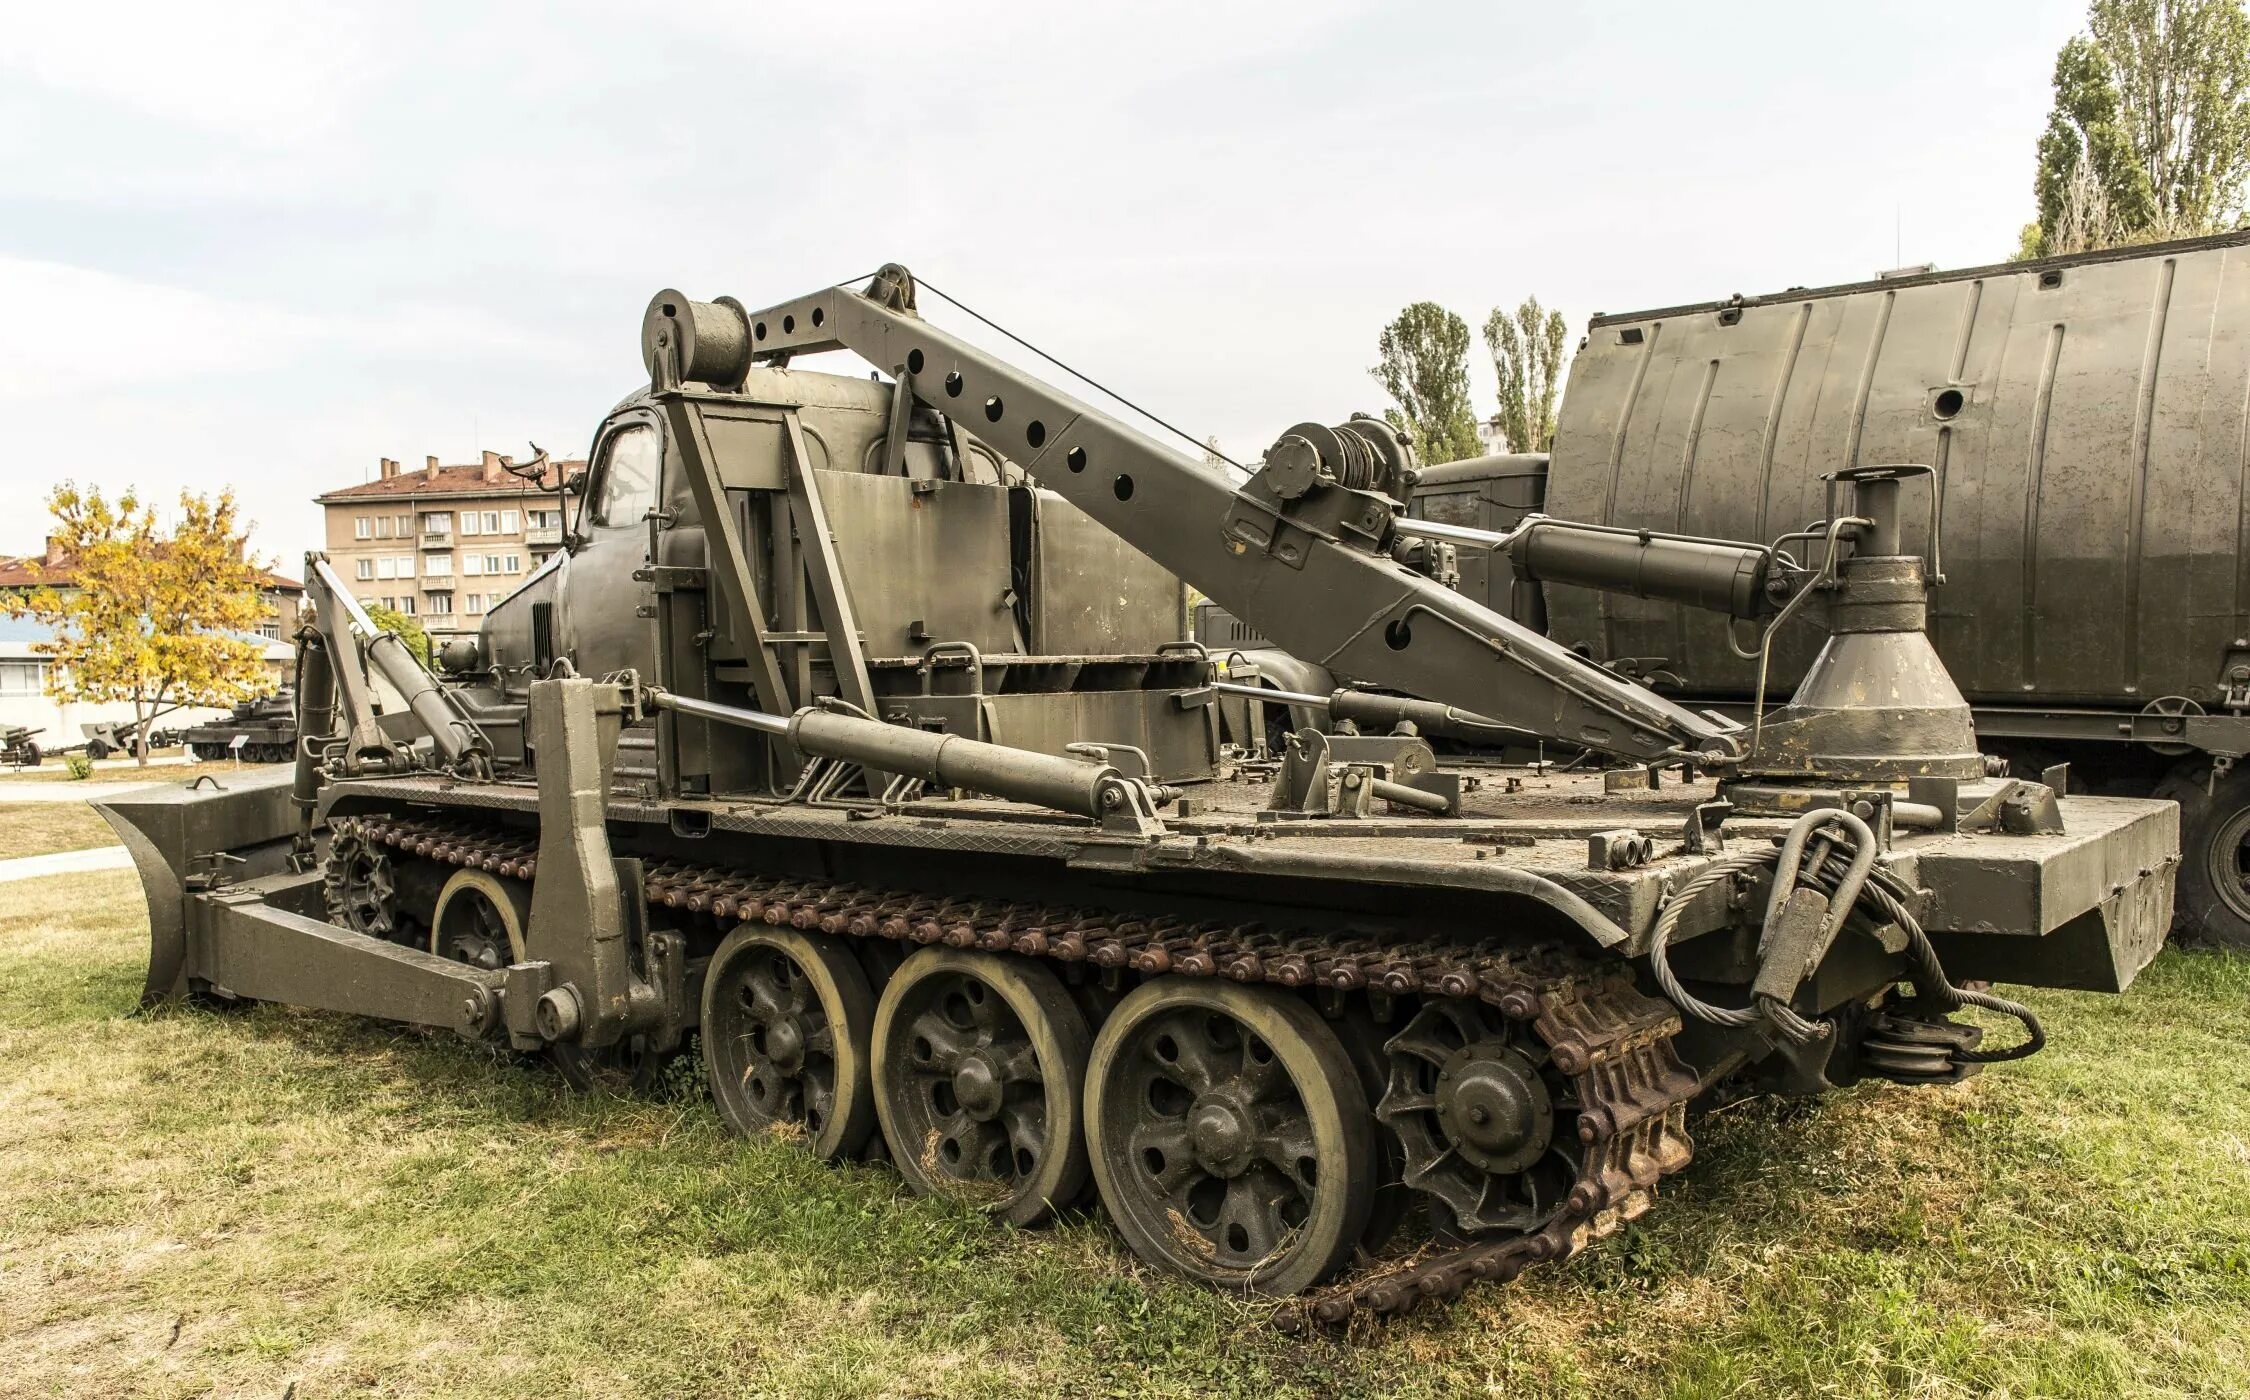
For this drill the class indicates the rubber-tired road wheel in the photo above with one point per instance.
(1230, 1135)
(980, 1063)
(2212, 898)
(786, 1019)
(481, 919)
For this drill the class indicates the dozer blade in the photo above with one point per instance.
(184, 840)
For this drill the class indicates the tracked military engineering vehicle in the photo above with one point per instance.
(849, 729)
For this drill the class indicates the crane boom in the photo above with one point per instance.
(1300, 550)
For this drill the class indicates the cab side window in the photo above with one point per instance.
(625, 481)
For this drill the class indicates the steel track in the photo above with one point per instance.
(1613, 1041)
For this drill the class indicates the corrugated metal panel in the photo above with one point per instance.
(2087, 419)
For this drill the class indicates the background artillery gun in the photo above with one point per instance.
(19, 746)
(893, 786)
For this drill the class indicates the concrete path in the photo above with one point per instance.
(65, 863)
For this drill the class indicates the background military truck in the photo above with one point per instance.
(2088, 419)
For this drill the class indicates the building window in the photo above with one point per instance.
(437, 566)
(469, 522)
(438, 522)
(441, 605)
(383, 526)
(406, 606)
(406, 566)
(508, 522)
(23, 677)
(271, 631)
(492, 522)
(475, 603)
(539, 558)
(472, 565)
(366, 568)
(362, 527)
(515, 563)
(406, 527)
(386, 567)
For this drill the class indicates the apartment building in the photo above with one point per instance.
(446, 543)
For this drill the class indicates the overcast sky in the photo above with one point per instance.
(266, 245)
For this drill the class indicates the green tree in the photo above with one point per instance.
(154, 617)
(1425, 370)
(1527, 356)
(409, 630)
(2149, 137)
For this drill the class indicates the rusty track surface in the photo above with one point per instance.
(1613, 1041)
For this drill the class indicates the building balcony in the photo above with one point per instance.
(437, 539)
(543, 534)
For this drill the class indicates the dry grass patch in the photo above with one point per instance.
(54, 772)
(39, 828)
(198, 1201)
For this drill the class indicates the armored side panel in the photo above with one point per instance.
(2086, 418)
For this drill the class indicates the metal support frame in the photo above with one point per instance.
(726, 557)
(847, 656)
(1316, 584)
(587, 908)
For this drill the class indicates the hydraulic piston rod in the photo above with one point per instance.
(1370, 708)
(947, 760)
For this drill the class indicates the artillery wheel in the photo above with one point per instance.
(97, 750)
(30, 757)
(1476, 1105)
(980, 1067)
(786, 1020)
(2213, 893)
(1230, 1135)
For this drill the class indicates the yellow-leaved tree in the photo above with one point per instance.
(153, 617)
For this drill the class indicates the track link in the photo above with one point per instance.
(1611, 1039)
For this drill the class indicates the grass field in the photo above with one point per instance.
(53, 771)
(197, 1202)
(35, 828)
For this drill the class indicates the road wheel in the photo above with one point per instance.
(2212, 898)
(1230, 1135)
(980, 1065)
(786, 1021)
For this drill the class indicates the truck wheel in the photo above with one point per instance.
(2213, 894)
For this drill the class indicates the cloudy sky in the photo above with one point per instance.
(266, 245)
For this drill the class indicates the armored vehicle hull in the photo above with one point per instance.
(896, 793)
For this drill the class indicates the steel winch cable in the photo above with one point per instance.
(1879, 897)
(1181, 433)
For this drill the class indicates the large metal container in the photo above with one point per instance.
(2088, 419)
